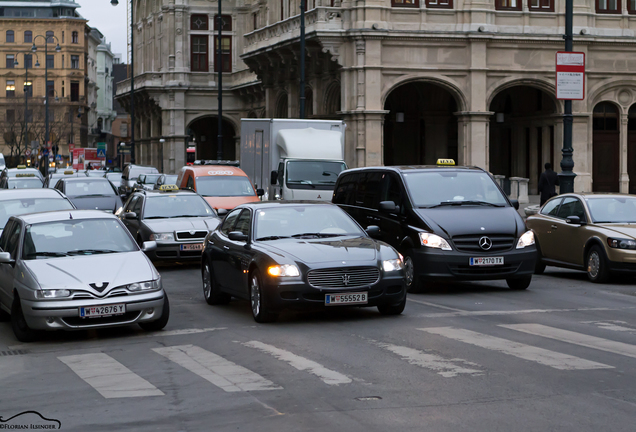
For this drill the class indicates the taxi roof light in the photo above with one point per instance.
(21, 167)
(446, 162)
(170, 188)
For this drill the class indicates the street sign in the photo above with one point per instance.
(123, 149)
(570, 75)
(28, 152)
(101, 153)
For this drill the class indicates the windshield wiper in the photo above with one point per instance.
(90, 251)
(317, 235)
(48, 254)
(91, 195)
(179, 216)
(271, 238)
(459, 203)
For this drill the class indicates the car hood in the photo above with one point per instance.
(466, 220)
(625, 230)
(78, 272)
(229, 203)
(182, 224)
(347, 249)
(107, 202)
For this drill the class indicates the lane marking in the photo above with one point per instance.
(222, 373)
(612, 325)
(442, 366)
(511, 312)
(328, 376)
(109, 377)
(575, 338)
(527, 352)
(435, 305)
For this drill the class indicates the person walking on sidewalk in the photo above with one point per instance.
(547, 181)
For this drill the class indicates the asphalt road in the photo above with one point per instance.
(466, 357)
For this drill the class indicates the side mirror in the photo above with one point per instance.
(389, 206)
(149, 246)
(574, 220)
(221, 212)
(260, 192)
(515, 204)
(273, 178)
(5, 258)
(130, 215)
(373, 231)
(238, 236)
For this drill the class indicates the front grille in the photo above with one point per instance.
(351, 277)
(79, 295)
(89, 322)
(470, 243)
(191, 235)
(466, 270)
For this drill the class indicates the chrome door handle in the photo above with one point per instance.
(554, 226)
(226, 247)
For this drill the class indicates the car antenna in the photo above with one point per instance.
(70, 215)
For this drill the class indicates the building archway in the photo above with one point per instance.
(605, 148)
(631, 149)
(332, 100)
(205, 131)
(282, 106)
(522, 133)
(420, 126)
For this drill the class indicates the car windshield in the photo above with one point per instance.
(113, 176)
(304, 221)
(170, 179)
(313, 174)
(134, 172)
(151, 178)
(439, 188)
(172, 206)
(224, 186)
(22, 206)
(76, 237)
(24, 183)
(88, 187)
(95, 173)
(612, 209)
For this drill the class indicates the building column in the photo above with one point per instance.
(624, 176)
(474, 138)
(583, 145)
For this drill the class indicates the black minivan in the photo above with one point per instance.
(449, 222)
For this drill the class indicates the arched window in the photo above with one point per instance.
(631, 122)
(282, 107)
(74, 37)
(28, 36)
(10, 36)
(309, 102)
(605, 117)
(332, 99)
(49, 36)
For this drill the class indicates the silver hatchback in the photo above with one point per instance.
(77, 269)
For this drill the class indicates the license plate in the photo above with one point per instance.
(486, 261)
(192, 247)
(102, 311)
(353, 298)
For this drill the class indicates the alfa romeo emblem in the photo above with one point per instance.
(345, 279)
(485, 243)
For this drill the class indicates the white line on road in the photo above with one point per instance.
(443, 366)
(109, 377)
(328, 376)
(213, 368)
(612, 325)
(435, 305)
(511, 312)
(575, 338)
(526, 352)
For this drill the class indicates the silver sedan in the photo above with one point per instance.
(77, 269)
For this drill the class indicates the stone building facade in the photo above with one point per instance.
(415, 80)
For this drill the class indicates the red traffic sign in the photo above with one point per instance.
(570, 75)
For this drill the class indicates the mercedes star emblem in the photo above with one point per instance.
(485, 243)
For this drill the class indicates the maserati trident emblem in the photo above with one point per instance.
(99, 288)
(485, 243)
(345, 279)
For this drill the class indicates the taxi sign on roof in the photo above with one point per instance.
(21, 166)
(25, 175)
(447, 162)
(220, 172)
(168, 188)
(69, 172)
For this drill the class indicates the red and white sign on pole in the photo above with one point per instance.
(570, 75)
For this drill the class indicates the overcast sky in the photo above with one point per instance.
(108, 19)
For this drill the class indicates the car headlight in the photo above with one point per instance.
(283, 270)
(434, 241)
(145, 286)
(617, 243)
(162, 237)
(527, 239)
(392, 265)
(52, 293)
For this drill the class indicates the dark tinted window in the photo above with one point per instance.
(13, 240)
(551, 207)
(368, 190)
(346, 191)
(136, 205)
(243, 222)
(390, 189)
(228, 223)
(571, 207)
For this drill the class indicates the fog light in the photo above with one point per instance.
(50, 320)
(150, 311)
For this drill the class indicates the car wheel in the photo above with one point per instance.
(394, 309)
(211, 291)
(411, 277)
(519, 284)
(260, 311)
(4, 316)
(597, 270)
(18, 323)
(162, 321)
(539, 267)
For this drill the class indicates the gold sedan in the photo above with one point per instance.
(587, 231)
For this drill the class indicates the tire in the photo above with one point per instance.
(260, 311)
(519, 284)
(4, 316)
(596, 265)
(211, 291)
(395, 309)
(539, 267)
(19, 325)
(411, 277)
(162, 321)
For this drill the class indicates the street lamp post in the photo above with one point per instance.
(566, 176)
(26, 93)
(219, 42)
(302, 59)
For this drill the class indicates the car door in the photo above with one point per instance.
(542, 226)
(391, 230)
(238, 255)
(134, 205)
(9, 242)
(220, 248)
(569, 239)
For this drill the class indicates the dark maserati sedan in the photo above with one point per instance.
(90, 193)
(283, 255)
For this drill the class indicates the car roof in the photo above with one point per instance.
(203, 170)
(82, 179)
(10, 194)
(23, 170)
(415, 168)
(62, 215)
(157, 192)
(282, 203)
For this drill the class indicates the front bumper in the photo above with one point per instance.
(297, 294)
(621, 260)
(64, 314)
(171, 251)
(434, 264)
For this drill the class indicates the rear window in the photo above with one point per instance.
(224, 186)
(134, 172)
(22, 206)
(89, 188)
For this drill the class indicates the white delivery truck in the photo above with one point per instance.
(293, 159)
